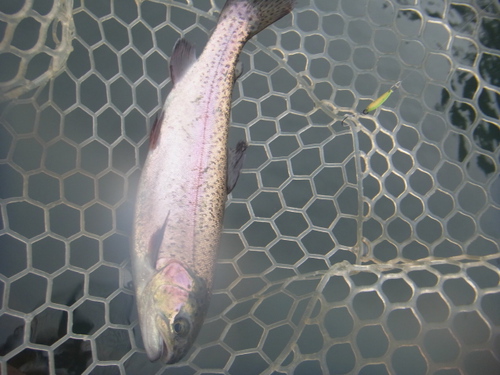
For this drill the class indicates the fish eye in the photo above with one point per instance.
(181, 327)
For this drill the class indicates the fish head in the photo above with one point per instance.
(171, 311)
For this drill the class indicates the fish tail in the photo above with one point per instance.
(256, 14)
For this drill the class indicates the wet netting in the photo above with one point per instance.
(366, 247)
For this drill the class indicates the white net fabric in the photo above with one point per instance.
(371, 248)
(36, 42)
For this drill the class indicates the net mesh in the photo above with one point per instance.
(369, 246)
(36, 42)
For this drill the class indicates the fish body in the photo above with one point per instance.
(184, 184)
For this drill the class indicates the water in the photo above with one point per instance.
(309, 274)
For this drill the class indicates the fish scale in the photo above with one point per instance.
(184, 184)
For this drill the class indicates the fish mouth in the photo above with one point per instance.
(167, 354)
(155, 349)
(157, 343)
(172, 352)
(171, 357)
(163, 352)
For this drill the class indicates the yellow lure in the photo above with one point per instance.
(381, 99)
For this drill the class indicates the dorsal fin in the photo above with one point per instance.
(183, 56)
(155, 130)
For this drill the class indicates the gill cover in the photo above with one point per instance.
(174, 304)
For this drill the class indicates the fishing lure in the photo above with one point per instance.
(377, 102)
(381, 99)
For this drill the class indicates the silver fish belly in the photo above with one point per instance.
(184, 183)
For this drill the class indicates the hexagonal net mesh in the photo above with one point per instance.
(36, 41)
(367, 247)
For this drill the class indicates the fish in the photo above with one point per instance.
(185, 181)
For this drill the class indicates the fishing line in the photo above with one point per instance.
(359, 182)
(372, 106)
(378, 102)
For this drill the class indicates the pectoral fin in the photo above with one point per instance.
(155, 131)
(183, 56)
(235, 160)
(155, 242)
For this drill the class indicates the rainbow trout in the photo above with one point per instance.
(185, 181)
